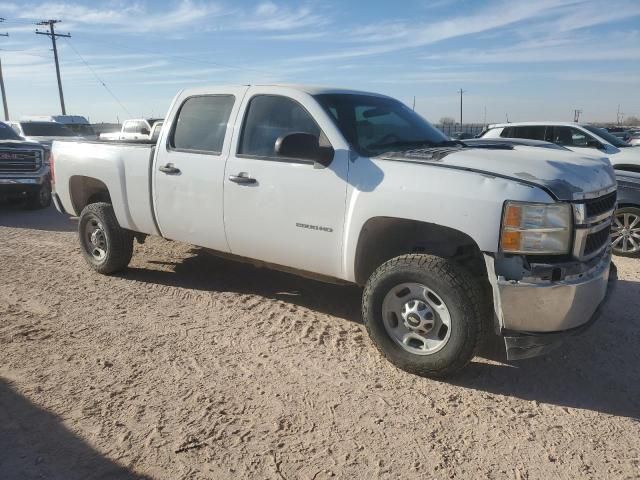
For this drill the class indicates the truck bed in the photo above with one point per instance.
(124, 167)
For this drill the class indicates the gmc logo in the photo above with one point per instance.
(9, 156)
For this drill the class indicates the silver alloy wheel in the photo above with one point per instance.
(416, 318)
(625, 233)
(94, 239)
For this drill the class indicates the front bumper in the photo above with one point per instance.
(535, 315)
(14, 186)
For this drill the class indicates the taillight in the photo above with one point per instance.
(49, 154)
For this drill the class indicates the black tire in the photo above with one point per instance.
(41, 198)
(117, 242)
(462, 294)
(617, 250)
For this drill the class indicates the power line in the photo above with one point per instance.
(98, 78)
(53, 35)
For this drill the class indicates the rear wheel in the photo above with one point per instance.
(425, 314)
(106, 246)
(625, 232)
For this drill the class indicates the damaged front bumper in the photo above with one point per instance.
(536, 313)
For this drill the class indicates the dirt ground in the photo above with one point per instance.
(187, 366)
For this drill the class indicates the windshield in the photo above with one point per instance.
(612, 139)
(46, 129)
(376, 125)
(8, 133)
(81, 129)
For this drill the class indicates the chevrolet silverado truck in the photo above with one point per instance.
(354, 187)
(24, 170)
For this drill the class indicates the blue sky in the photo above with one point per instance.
(526, 59)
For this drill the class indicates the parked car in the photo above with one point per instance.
(43, 132)
(581, 138)
(461, 136)
(625, 235)
(134, 129)
(620, 132)
(635, 137)
(24, 169)
(444, 238)
(76, 123)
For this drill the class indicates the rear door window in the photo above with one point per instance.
(201, 124)
(532, 132)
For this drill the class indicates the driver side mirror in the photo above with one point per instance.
(304, 146)
(144, 131)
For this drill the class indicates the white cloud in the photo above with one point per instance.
(272, 17)
(125, 17)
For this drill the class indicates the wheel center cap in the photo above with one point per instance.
(96, 238)
(413, 320)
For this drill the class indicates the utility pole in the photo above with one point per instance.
(4, 94)
(461, 92)
(52, 34)
(619, 116)
(576, 115)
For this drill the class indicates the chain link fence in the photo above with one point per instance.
(471, 128)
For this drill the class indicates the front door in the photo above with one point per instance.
(189, 168)
(285, 211)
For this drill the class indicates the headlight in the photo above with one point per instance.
(536, 228)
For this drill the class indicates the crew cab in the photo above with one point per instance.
(134, 129)
(354, 187)
(579, 137)
(24, 170)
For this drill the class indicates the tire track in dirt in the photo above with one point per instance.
(188, 366)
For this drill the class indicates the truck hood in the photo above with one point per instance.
(19, 144)
(566, 175)
(625, 156)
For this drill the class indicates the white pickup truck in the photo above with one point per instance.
(346, 186)
(135, 129)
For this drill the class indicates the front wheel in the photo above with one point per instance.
(41, 198)
(424, 313)
(106, 246)
(625, 232)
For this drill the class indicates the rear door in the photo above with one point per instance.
(285, 211)
(189, 167)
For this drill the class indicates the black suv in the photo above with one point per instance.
(24, 169)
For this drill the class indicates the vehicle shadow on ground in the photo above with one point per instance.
(206, 272)
(14, 215)
(598, 370)
(35, 444)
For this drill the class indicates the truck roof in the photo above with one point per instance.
(62, 119)
(544, 122)
(310, 89)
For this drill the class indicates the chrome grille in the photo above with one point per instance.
(20, 161)
(600, 205)
(595, 241)
(593, 225)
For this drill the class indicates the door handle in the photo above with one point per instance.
(169, 169)
(242, 178)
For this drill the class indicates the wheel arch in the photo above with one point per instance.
(84, 190)
(383, 238)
